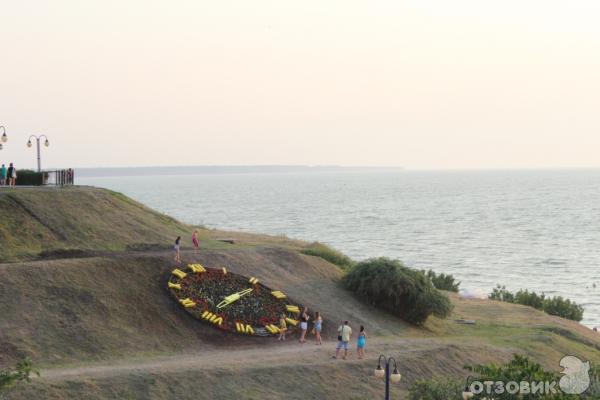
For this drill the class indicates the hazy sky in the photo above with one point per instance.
(420, 84)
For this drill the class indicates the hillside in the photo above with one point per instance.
(100, 323)
(86, 221)
(51, 220)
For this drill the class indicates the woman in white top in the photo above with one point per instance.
(304, 324)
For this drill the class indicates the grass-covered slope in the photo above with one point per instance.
(37, 220)
(104, 325)
(63, 311)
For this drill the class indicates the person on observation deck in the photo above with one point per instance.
(3, 173)
(12, 175)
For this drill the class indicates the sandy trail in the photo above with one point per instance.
(288, 353)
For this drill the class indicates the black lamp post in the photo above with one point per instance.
(4, 137)
(46, 143)
(380, 372)
(467, 394)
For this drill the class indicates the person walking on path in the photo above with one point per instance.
(361, 343)
(12, 175)
(3, 173)
(345, 332)
(282, 327)
(304, 324)
(176, 248)
(195, 241)
(318, 327)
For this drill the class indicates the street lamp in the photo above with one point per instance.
(46, 143)
(384, 372)
(467, 394)
(4, 137)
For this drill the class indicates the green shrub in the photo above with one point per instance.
(563, 308)
(443, 281)
(317, 249)
(29, 178)
(501, 294)
(530, 299)
(436, 389)
(558, 306)
(21, 372)
(405, 292)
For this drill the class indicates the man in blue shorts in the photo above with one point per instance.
(344, 334)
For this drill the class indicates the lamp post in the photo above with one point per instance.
(4, 137)
(46, 143)
(467, 394)
(380, 372)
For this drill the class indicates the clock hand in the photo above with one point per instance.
(233, 298)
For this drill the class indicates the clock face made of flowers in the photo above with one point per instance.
(231, 302)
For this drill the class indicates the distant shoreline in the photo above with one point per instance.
(210, 169)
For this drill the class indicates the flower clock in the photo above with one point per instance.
(231, 302)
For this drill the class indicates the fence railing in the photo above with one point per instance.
(59, 177)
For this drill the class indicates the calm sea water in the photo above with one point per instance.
(537, 230)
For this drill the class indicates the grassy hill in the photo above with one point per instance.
(83, 221)
(100, 323)
(48, 220)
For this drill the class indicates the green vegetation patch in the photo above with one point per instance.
(333, 256)
(29, 177)
(436, 389)
(404, 292)
(443, 281)
(13, 376)
(558, 306)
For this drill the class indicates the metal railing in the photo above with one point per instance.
(59, 177)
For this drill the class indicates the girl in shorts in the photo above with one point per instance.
(361, 342)
(318, 327)
(303, 324)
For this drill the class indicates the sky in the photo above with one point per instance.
(421, 84)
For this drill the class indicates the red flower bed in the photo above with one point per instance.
(207, 289)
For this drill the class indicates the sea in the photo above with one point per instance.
(525, 229)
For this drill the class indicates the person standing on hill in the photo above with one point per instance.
(345, 332)
(176, 248)
(12, 175)
(195, 241)
(3, 173)
(282, 327)
(318, 327)
(304, 324)
(361, 342)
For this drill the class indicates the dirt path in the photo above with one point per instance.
(288, 353)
